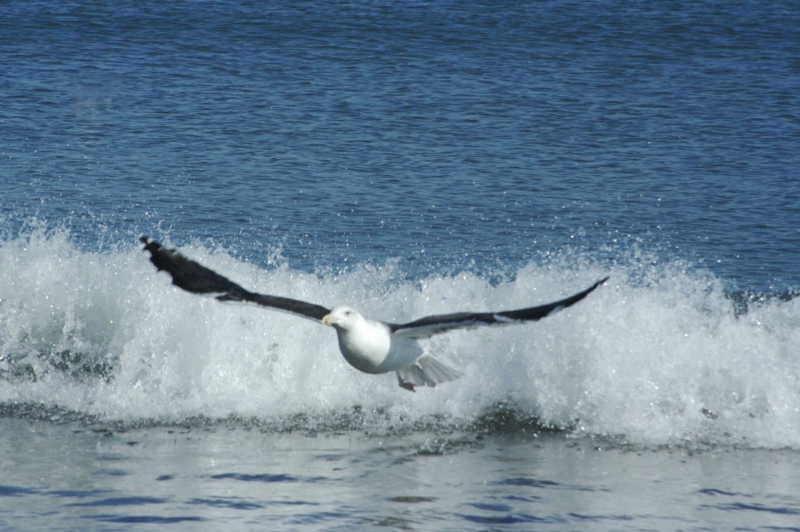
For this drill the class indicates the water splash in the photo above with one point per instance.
(662, 354)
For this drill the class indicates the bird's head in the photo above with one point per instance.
(342, 318)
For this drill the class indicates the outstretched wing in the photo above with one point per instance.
(196, 278)
(430, 325)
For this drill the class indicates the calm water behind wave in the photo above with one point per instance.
(454, 136)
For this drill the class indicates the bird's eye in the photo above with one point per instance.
(347, 313)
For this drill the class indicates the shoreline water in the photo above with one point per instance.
(71, 475)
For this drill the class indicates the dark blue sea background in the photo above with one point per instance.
(406, 158)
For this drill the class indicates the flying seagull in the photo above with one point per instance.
(368, 345)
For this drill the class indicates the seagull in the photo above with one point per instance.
(370, 346)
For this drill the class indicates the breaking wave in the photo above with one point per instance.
(663, 354)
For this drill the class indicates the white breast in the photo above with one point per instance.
(365, 345)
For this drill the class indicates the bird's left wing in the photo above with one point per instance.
(439, 323)
(196, 278)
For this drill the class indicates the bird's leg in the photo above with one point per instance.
(406, 385)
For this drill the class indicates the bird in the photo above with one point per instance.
(370, 346)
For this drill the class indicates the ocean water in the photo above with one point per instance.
(406, 158)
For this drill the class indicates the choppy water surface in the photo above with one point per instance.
(197, 477)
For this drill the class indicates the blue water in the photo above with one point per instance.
(407, 159)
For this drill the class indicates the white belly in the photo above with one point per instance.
(365, 348)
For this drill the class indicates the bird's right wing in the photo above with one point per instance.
(197, 279)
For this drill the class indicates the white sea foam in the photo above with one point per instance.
(658, 355)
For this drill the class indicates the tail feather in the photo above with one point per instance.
(426, 371)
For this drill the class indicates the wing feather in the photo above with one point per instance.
(197, 279)
(439, 323)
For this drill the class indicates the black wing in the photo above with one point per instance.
(196, 278)
(430, 325)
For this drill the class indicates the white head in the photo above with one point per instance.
(342, 318)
